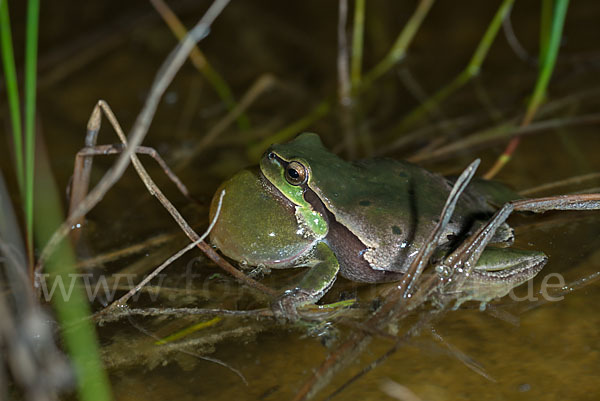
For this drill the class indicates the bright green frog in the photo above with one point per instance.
(365, 220)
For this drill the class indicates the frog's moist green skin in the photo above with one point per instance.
(366, 220)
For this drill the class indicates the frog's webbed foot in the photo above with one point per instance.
(285, 306)
(315, 283)
(497, 272)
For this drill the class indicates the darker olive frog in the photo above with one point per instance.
(365, 220)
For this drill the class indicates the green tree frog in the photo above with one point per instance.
(365, 220)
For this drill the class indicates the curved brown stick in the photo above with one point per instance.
(83, 168)
(123, 300)
(155, 191)
(163, 78)
(559, 202)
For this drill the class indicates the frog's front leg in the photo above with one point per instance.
(498, 271)
(314, 284)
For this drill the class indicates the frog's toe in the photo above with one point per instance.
(285, 306)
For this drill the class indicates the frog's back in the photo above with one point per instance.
(394, 208)
(390, 206)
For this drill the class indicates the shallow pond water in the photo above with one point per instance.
(528, 349)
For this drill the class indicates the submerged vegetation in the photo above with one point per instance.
(84, 296)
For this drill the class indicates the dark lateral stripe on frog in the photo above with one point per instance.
(348, 248)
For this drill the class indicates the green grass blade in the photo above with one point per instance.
(224, 91)
(545, 28)
(549, 61)
(465, 76)
(358, 30)
(31, 41)
(12, 91)
(73, 311)
(402, 42)
(199, 60)
(539, 93)
(288, 132)
(488, 38)
(188, 330)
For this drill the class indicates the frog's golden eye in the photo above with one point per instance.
(296, 174)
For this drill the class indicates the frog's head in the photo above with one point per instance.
(289, 168)
(301, 164)
(264, 217)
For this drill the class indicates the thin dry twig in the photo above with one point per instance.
(400, 342)
(500, 132)
(117, 314)
(110, 256)
(513, 41)
(29, 348)
(343, 69)
(158, 341)
(83, 169)
(260, 86)
(562, 183)
(345, 100)
(199, 60)
(463, 260)
(549, 109)
(462, 357)
(144, 150)
(155, 191)
(163, 78)
(114, 357)
(557, 293)
(123, 300)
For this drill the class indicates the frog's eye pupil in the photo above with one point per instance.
(296, 173)
(271, 155)
(293, 173)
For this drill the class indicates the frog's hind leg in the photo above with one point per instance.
(458, 268)
(498, 271)
(506, 262)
